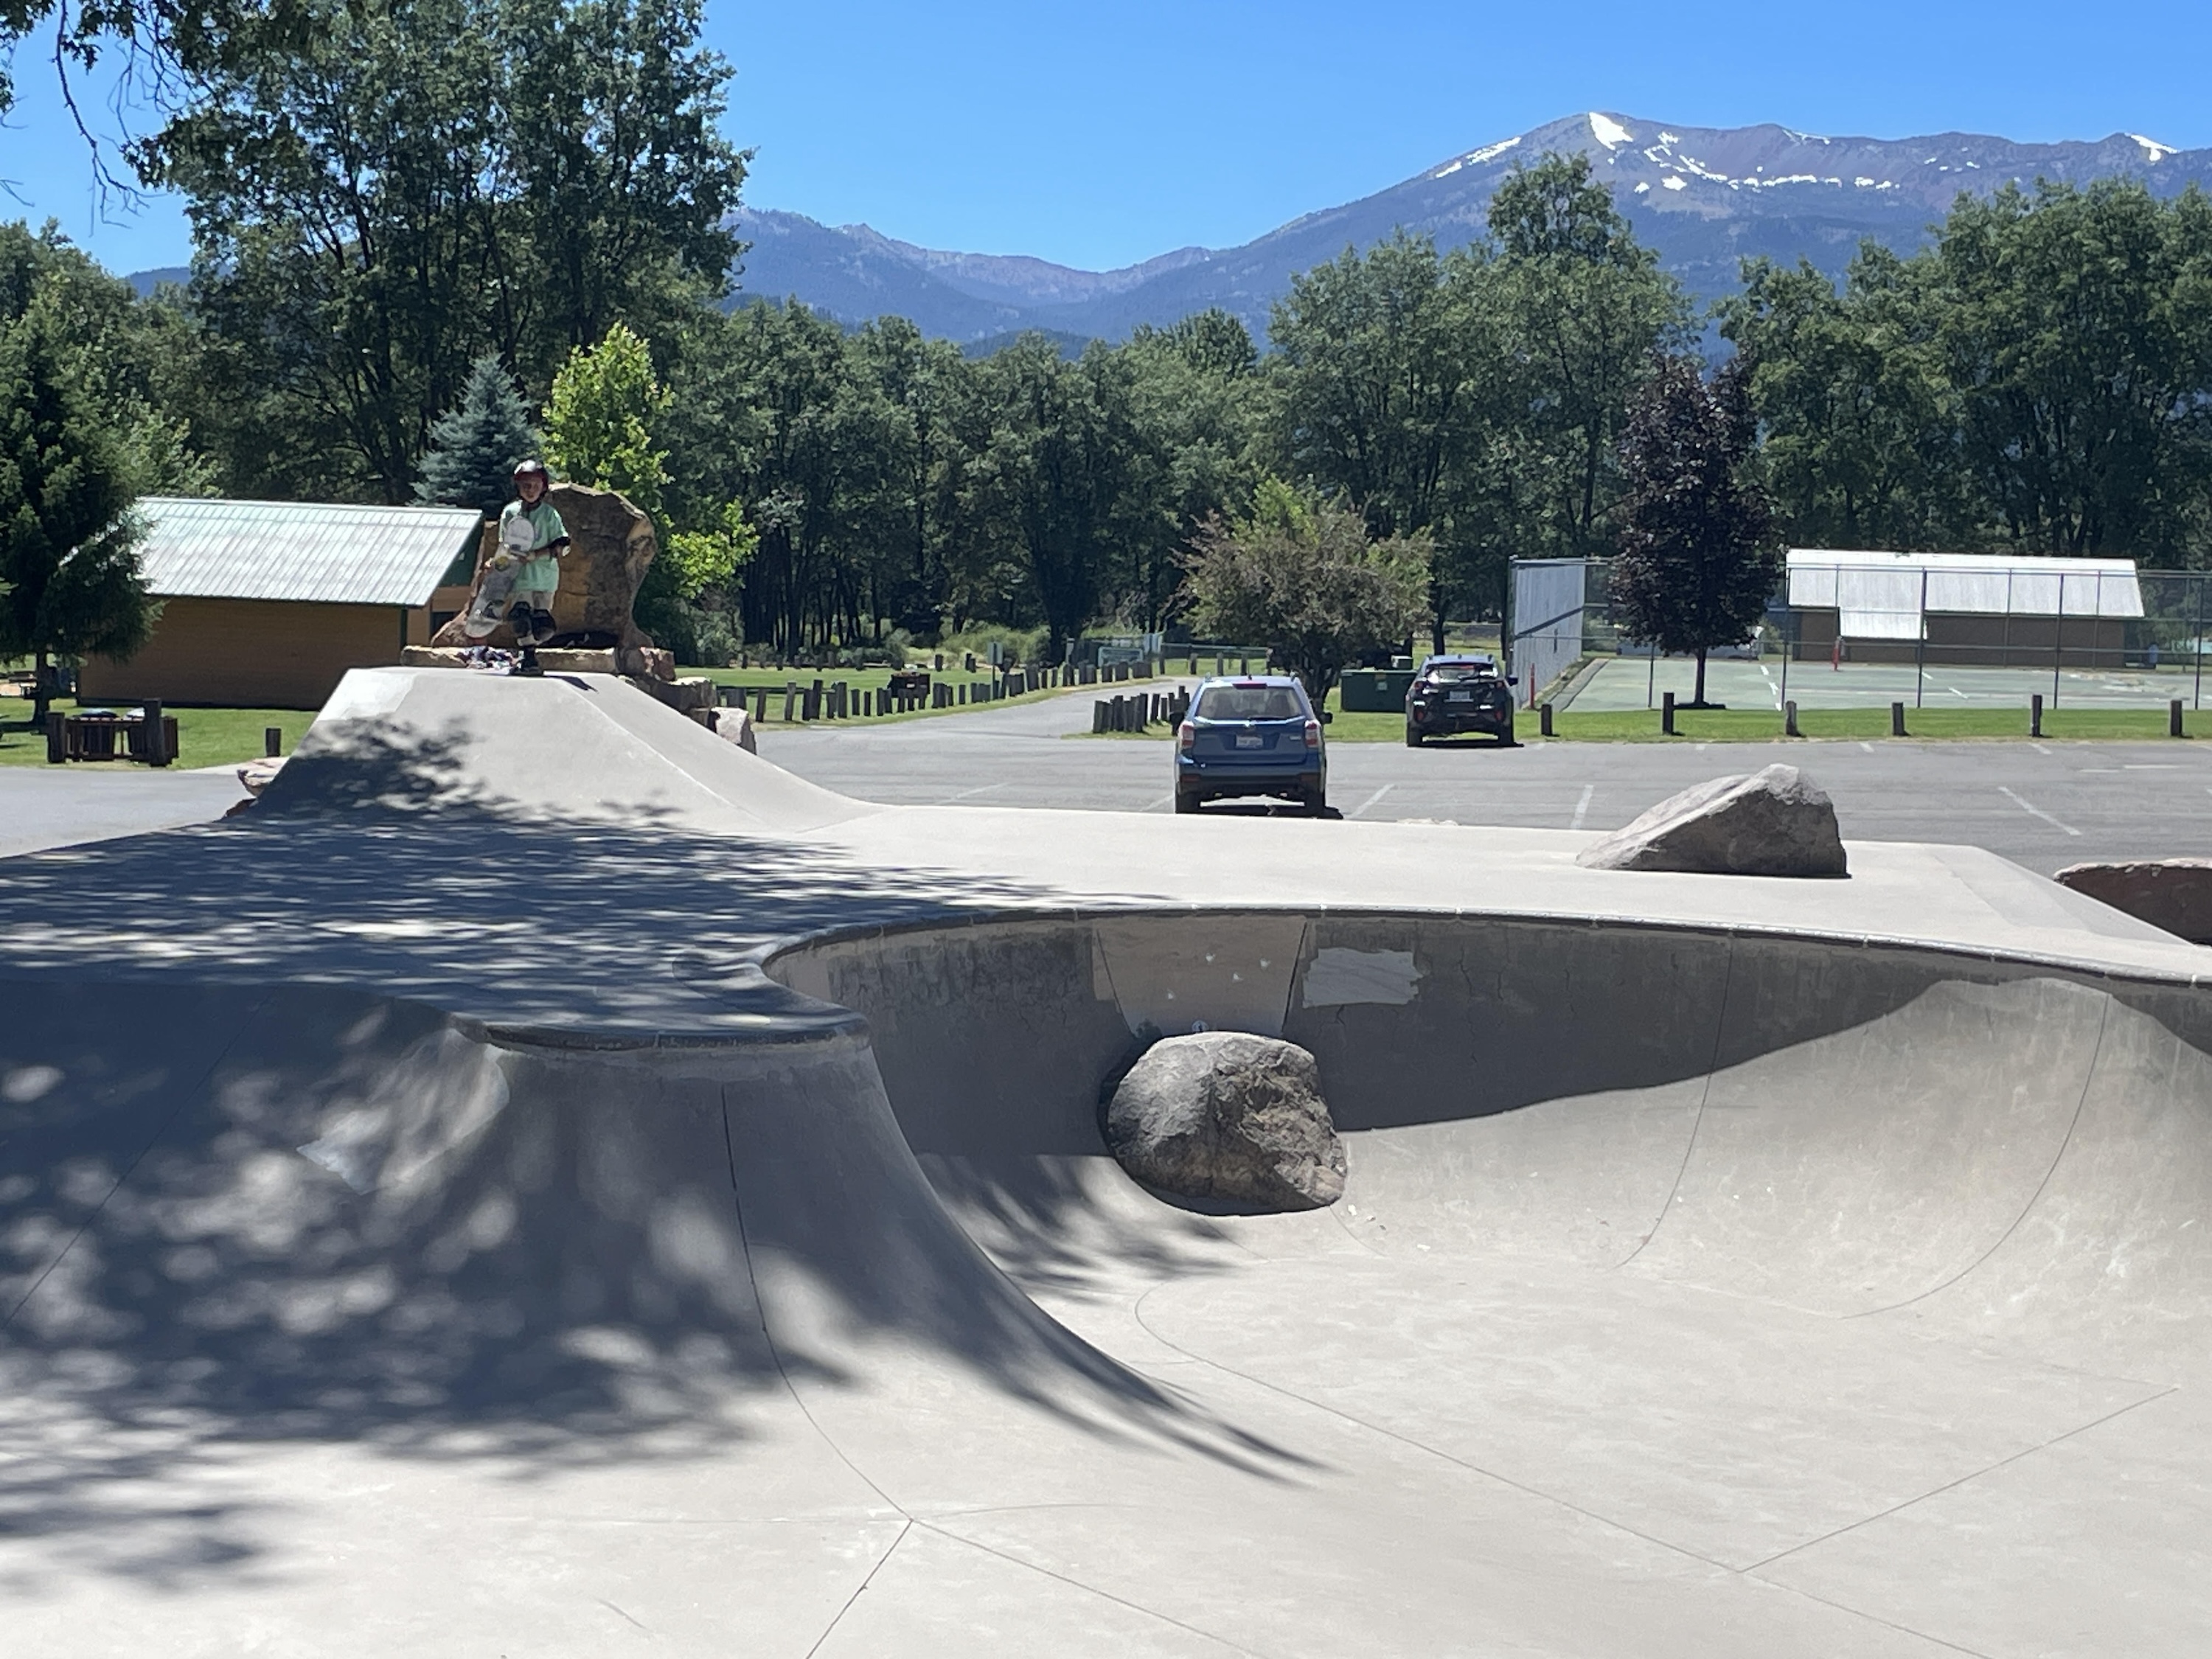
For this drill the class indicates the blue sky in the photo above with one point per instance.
(1098, 135)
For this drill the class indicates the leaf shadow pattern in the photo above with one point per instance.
(217, 1237)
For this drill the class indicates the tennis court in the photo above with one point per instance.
(1640, 683)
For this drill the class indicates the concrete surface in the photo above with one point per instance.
(65, 807)
(2043, 805)
(545, 1182)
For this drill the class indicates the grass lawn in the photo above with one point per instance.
(205, 737)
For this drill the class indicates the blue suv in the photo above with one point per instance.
(1255, 735)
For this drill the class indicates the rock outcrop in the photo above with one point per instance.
(2175, 894)
(1774, 823)
(612, 545)
(1222, 1115)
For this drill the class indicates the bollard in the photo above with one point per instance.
(1544, 719)
(272, 741)
(760, 713)
(1666, 712)
(1097, 718)
(56, 744)
(1790, 720)
(790, 694)
(157, 733)
(2035, 715)
(2173, 719)
(1897, 720)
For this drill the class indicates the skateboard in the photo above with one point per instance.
(487, 606)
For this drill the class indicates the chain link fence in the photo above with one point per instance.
(1860, 630)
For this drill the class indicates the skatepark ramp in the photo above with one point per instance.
(742, 1268)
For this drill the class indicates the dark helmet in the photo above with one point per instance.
(538, 467)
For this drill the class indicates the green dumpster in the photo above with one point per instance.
(1374, 690)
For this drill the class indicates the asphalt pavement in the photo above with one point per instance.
(2041, 804)
(61, 807)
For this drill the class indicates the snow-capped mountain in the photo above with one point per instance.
(1704, 197)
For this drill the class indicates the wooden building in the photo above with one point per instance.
(265, 604)
(1983, 610)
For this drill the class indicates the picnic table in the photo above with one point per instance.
(148, 736)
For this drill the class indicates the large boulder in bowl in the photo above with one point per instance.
(1774, 823)
(1226, 1115)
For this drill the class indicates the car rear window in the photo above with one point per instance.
(1459, 670)
(1249, 702)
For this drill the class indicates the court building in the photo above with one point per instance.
(1988, 610)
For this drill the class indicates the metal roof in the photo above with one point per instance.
(317, 552)
(1884, 596)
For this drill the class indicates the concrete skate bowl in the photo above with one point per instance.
(1878, 1273)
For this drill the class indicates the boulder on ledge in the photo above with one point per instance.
(1774, 823)
(1223, 1115)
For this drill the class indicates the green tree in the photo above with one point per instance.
(600, 417)
(1697, 560)
(69, 538)
(1860, 447)
(391, 188)
(1580, 307)
(2075, 329)
(1304, 574)
(474, 447)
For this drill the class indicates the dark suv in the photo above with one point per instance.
(1452, 695)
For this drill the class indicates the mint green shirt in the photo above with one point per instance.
(541, 574)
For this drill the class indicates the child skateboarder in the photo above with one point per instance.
(532, 533)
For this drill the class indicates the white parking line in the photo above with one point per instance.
(1165, 801)
(2036, 811)
(1371, 800)
(1582, 806)
(965, 794)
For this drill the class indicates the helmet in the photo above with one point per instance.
(538, 467)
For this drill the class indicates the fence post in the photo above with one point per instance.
(1897, 720)
(2035, 714)
(2173, 718)
(1544, 719)
(1790, 720)
(790, 692)
(1097, 718)
(1666, 712)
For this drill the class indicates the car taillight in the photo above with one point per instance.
(1185, 736)
(1313, 734)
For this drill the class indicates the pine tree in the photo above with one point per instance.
(69, 578)
(1696, 562)
(474, 447)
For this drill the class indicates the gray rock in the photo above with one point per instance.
(1774, 823)
(1224, 1114)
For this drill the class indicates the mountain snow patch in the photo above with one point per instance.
(1609, 132)
(2152, 150)
(1673, 181)
(1475, 158)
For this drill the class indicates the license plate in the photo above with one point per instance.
(1462, 696)
(1250, 740)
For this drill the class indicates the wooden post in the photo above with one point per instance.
(1790, 720)
(2035, 714)
(157, 731)
(2173, 719)
(1666, 712)
(1897, 720)
(790, 693)
(56, 739)
(272, 741)
(1544, 719)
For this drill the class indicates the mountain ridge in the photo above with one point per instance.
(1705, 197)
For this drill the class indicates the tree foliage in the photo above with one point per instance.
(1697, 561)
(1304, 573)
(600, 418)
(69, 537)
(474, 448)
